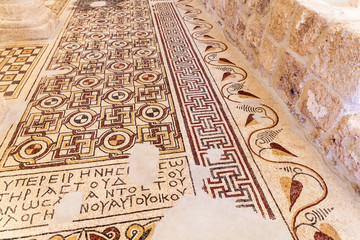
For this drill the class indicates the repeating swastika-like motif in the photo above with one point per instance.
(113, 93)
(206, 122)
(16, 64)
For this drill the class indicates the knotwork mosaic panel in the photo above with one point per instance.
(114, 93)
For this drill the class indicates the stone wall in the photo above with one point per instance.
(310, 53)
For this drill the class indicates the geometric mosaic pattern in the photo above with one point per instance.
(56, 6)
(206, 122)
(115, 94)
(15, 65)
(156, 72)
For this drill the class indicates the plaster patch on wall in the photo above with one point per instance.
(302, 20)
(144, 164)
(68, 208)
(214, 155)
(14, 113)
(250, 102)
(316, 109)
(198, 174)
(49, 73)
(49, 2)
(258, 118)
(349, 146)
(353, 124)
(233, 79)
(98, 4)
(201, 217)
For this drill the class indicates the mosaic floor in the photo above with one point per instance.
(158, 72)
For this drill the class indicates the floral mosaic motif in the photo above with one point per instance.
(261, 141)
(133, 232)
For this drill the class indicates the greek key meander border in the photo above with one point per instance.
(199, 152)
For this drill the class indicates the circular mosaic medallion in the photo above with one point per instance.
(120, 27)
(118, 66)
(153, 112)
(142, 34)
(72, 46)
(85, 15)
(51, 102)
(121, 14)
(144, 52)
(32, 149)
(139, 19)
(81, 119)
(118, 141)
(148, 77)
(88, 82)
(101, 21)
(119, 44)
(97, 36)
(94, 56)
(118, 96)
(77, 29)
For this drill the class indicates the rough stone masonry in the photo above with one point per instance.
(309, 52)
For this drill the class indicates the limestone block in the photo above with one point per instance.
(211, 5)
(267, 54)
(253, 33)
(259, 6)
(231, 18)
(345, 142)
(337, 61)
(247, 52)
(307, 27)
(26, 20)
(262, 7)
(220, 8)
(321, 106)
(240, 27)
(236, 15)
(290, 77)
(280, 16)
(236, 26)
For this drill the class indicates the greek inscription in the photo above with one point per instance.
(31, 199)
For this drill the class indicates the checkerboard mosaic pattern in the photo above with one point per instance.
(16, 64)
(56, 6)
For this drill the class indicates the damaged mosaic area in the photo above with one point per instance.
(132, 97)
